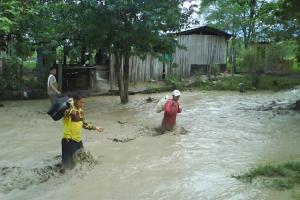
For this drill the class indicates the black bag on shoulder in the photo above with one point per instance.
(58, 109)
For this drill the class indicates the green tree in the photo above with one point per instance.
(139, 27)
(289, 15)
(75, 27)
(12, 15)
(14, 41)
(251, 20)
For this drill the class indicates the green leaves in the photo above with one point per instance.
(132, 26)
(143, 25)
(253, 20)
(5, 24)
(9, 13)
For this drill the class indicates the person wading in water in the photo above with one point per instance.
(171, 108)
(73, 122)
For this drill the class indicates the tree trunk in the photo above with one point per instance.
(211, 61)
(65, 54)
(40, 60)
(126, 77)
(111, 68)
(254, 76)
(233, 56)
(41, 65)
(1, 63)
(119, 76)
(20, 80)
(83, 58)
(209, 71)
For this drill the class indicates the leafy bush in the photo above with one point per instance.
(30, 64)
(215, 69)
(9, 77)
(174, 81)
(33, 83)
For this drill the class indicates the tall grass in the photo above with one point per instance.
(281, 176)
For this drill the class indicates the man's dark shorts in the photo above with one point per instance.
(69, 148)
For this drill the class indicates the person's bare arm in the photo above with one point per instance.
(89, 126)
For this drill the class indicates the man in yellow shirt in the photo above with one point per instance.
(74, 121)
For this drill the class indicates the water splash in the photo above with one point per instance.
(156, 131)
(17, 177)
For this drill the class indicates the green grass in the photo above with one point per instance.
(263, 170)
(224, 83)
(155, 89)
(265, 82)
(268, 82)
(280, 177)
(296, 195)
(280, 184)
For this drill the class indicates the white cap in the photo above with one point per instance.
(176, 93)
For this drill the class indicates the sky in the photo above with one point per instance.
(196, 14)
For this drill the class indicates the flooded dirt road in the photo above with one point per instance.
(224, 136)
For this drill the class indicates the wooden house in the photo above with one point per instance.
(204, 46)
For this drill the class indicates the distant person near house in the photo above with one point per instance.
(171, 108)
(52, 86)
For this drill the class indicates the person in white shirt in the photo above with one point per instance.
(52, 86)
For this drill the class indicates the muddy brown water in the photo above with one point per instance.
(223, 136)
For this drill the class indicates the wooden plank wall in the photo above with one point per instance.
(142, 69)
(201, 50)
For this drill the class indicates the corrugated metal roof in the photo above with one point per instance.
(205, 30)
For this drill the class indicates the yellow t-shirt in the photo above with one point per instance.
(73, 124)
(72, 128)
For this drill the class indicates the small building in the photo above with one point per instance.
(205, 46)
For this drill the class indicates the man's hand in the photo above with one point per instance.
(58, 92)
(99, 129)
(71, 102)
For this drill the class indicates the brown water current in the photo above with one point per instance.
(218, 134)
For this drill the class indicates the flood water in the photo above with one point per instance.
(225, 136)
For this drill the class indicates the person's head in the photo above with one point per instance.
(176, 95)
(53, 70)
(78, 98)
